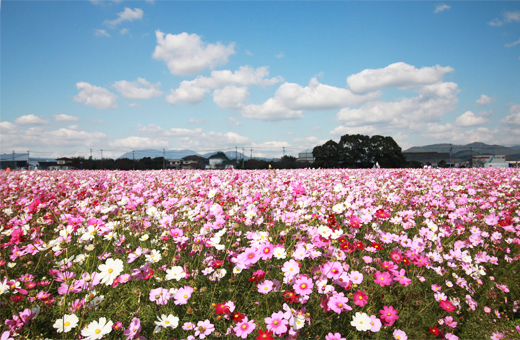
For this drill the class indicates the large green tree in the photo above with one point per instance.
(327, 155)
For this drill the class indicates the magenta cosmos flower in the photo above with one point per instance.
(360, 298)
(277, 323)
(204, 328)
(244, 328)
(133, 329)
(265, 287)
(303, 286)
(160, 296)
(383, 279)
(335, 336)
(333, 270)
(183, 295)
(389, 315)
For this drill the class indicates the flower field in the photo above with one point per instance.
(296, 254)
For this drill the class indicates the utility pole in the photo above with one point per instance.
(133, 159)
(451, 148)
(163, 158)
(471, 157)
(90, 159)
(283, 151)
(28, 160)
(101, 158)
(236, 154)
(14, 161)
(251, 153)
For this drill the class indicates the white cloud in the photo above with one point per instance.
(395, 75)
(231, 97)
(8, 127)
(507, 17)
(432, 102)
(272, 109)
(134, 105)
(95, 96)
(194, 91)
(197, 121)
(102, 33)
(188, 92)
(279, 55)
(73, 127)
(353, 130)
(454, 134)
(441, 7)
(135, 142)
(127, 15)
(65, 118)
(317, 96)
(484, 100)
(234, 121)
(469, 119)
(30, 120)
(197, 139)
(187, 54)
(124, 31)
(308, 142)
(514, 116)
(138, 89)
(513, 43)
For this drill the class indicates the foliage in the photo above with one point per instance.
(437, 250)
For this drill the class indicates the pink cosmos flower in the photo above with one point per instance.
(290, 268)
(244, 328)
(265, 287)
(399, 335)
(449, 322)
(389, 315)
(338, 303)
(303, 286)
(266, 251)
(133, 329)
(335, 336)
(277, 323)
(333, 270)
(204, 328)
(447, 306)
(356, 277)
(183, 295)
(383, 279)
(451, 336)
(360, 299)
(160, 296)
(376, 323)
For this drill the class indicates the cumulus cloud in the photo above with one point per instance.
(513, 43)
(194, 91)
(317, 96)
(432, 102)
(470, 119)
(272, 109)
(197, 121)
(173, 132)
(353, 130)
(102, 33)
(395, 75)
(74, 127)
(457, 135)
(514, 115)
(441, 8)
(95, 96)
(187, 54)
(138, 89)
(135, 142)
(124, 31)
(234, 121)
(30, 120)
(484, 100)
(127, 15)
(65, 118)
(8, 127)
(230, 97)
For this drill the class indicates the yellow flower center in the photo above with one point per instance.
(340, 304)
(110, 270)
(389, 314)
(166, 322)
(244, 326)
(382, 279)
(303, 285)
(97, 331)
(185, 296)
(361, 298)
(66, 324)
(275, 322)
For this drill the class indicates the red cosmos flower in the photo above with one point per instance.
(447, 306)
(396, 256)
(360, 245)
(237, 317)
(376, 245)
(434, 330)
(217, 263)
(16, 298)
(290, 296)
(258, 276)
(221, 308)
(406, 261)
(149, 273)
(264, 335)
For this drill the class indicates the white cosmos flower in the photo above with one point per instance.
(279, 253)
(97, 329)
(154, 256)
(176, 273)
(68, 322)
(324, 231)
(110, 270)
(361, 321)
(167, 321)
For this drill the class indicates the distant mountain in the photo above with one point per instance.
(517, 147)
(475, 148)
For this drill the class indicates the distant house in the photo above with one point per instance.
(431, 158)
(219, 161)
(174, 163)
(193, 162)
(63, 163)
(489, 161)
(305, 157)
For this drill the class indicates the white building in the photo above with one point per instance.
(489, 161)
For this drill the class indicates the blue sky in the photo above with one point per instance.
(208, 76)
